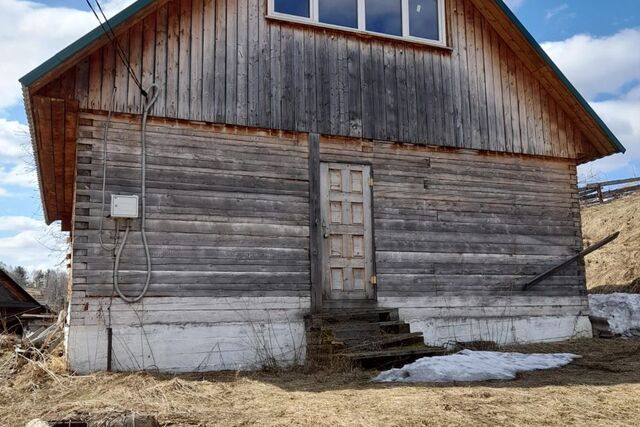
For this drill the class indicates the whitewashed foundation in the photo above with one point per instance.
(504, 320)
(188, 334)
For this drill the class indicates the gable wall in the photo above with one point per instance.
(228, 231)
(222, 61)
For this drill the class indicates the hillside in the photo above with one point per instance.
(618, 263)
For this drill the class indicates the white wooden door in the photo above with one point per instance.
(345, 197)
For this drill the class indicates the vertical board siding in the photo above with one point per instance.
(223, 61)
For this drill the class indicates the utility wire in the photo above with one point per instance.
(111, 35)
(122, 53)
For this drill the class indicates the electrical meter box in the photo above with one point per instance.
(124, 206)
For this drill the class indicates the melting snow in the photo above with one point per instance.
(470, 365)
(621, 310)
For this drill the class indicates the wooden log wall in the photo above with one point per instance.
(227, 210)
(228, 214)
(463, 223)
(222, 61)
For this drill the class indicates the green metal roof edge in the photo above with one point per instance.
(83, 42)
(612, 138)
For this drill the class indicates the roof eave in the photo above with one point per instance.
(615, 142)
(20, 289)
(65, 54)
(34, 146)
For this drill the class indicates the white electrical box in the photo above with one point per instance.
(124, 206)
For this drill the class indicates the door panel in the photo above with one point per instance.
(345, 198)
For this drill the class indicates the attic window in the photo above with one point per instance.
(293, 7)
(416, 20)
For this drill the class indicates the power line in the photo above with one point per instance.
(114, 37)
(111, 35)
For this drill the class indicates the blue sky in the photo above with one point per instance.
(595, 42)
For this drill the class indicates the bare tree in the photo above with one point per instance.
(55, 290)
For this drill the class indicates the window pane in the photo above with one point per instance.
(384, 16)
(292, 7)
(339, 12)
(423, 19)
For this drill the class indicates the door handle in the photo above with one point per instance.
(325, 234)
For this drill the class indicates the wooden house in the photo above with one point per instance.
(304, 156)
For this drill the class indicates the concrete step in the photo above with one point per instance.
(347, 330)
(392, 358)
(370, 338)
(382, 342)
(396, 327)
(356, 315)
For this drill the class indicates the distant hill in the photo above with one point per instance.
(616, 266)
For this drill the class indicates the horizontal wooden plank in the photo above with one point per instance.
(228, 215)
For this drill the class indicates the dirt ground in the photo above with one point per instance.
(618, 263)
(602, 388)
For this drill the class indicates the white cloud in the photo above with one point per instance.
(24, 223)
(623, 117)
(598, 65)
(15, 157)
(607, 65)
(20, 175)
(33, 246)
(32, 32)
(14, 137)
(514, 4)
(555, 11)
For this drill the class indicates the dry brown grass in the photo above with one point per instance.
(600, 389)
(617, 264)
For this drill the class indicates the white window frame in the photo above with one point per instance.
(314, 13)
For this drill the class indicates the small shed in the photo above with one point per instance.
(14, 302)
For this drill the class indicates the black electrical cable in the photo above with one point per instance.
(111, 35)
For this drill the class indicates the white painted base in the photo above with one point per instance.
(190, 335)
(512, 330)
(206, 334)
(504, 320)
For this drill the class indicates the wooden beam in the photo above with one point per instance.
(57, 142)
(315, 230)
(44, 139)
(564, 264)
(70, 134)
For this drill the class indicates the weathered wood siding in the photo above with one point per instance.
(463, 223)
(222, 61)
(228, 214)
(227, 210)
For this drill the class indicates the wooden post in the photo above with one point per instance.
(600, 193)
(315, 231)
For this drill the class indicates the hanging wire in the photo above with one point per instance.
(111, 35)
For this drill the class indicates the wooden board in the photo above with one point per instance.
(231, 213)
(225, 62)
(347, 245)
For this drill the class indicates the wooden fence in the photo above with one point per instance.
(600, 192)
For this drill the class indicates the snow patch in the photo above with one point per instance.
(621, 310)
(468, 366)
